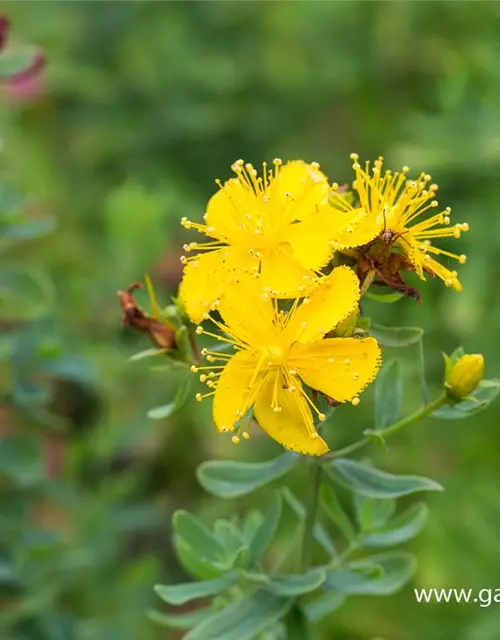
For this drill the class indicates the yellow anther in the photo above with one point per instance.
(194, 368)
(235, 440)
(246, 435)
(199, 331)
(321, 417)
(462, 259)
(355, 401)
(198, 397)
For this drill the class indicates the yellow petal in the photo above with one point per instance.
(282, 272)
(307, 185)
(339, 367)
(293, 426)
(248, 313)
(233, 395)
(329, 303)
(226, 211)
(199, 288)
(368, 228)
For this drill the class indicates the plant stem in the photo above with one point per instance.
(312, 510)
(194, 346)
(418, 415)
(394, 428)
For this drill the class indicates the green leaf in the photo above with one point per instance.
(374, 483)
(320, 534)
(265, 533)
(228, 536)
(179, 620)
(182, 593)
(379, 575)
(296, 584)
(167, 410)
(228, 479)
(396, 336)
(386, 298)
(243, 620)
(373, 513)
(388, 394)
(400, 529)
(194, 533)
(195, 565)
(324, 605)
(334, 510)
(481, 398)
(147, 353)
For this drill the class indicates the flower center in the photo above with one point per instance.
(274, 355)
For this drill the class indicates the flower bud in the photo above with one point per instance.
(464, 375)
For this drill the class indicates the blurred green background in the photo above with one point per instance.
(142, 105)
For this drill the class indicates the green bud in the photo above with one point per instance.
(464, 375)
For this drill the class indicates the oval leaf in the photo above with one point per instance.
(379, 575)
(400, 529)
(296, 584)
(386, 298)
(181, 593)
(194, 533)
(243, 620)
(228, 479)
(198, 567)
(375, 483)
(396, 336)
(324, 605)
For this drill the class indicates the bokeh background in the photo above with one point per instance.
(141, 106)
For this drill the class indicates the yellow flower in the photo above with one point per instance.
(464, 376)
(279, 225)
(394, 206)
(278, 351)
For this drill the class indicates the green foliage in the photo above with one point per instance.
(375, 483)
(141, 107)
(227, 479)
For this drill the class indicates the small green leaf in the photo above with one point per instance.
(388, 394)
(324, 605)
(267, 529)
(386, 298)
(481, 398)
(198, 567)
(379, 575)
(228, 479)
(228, 536)
(194, 533)
(296, 584)
(167, 410)
(180, 620)
(396, 336)
(400, 529)
(147, 353)
(320, 533)
(375, 483)
(243, 620)
(334, 510)
(373, 513)
(182, 593)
